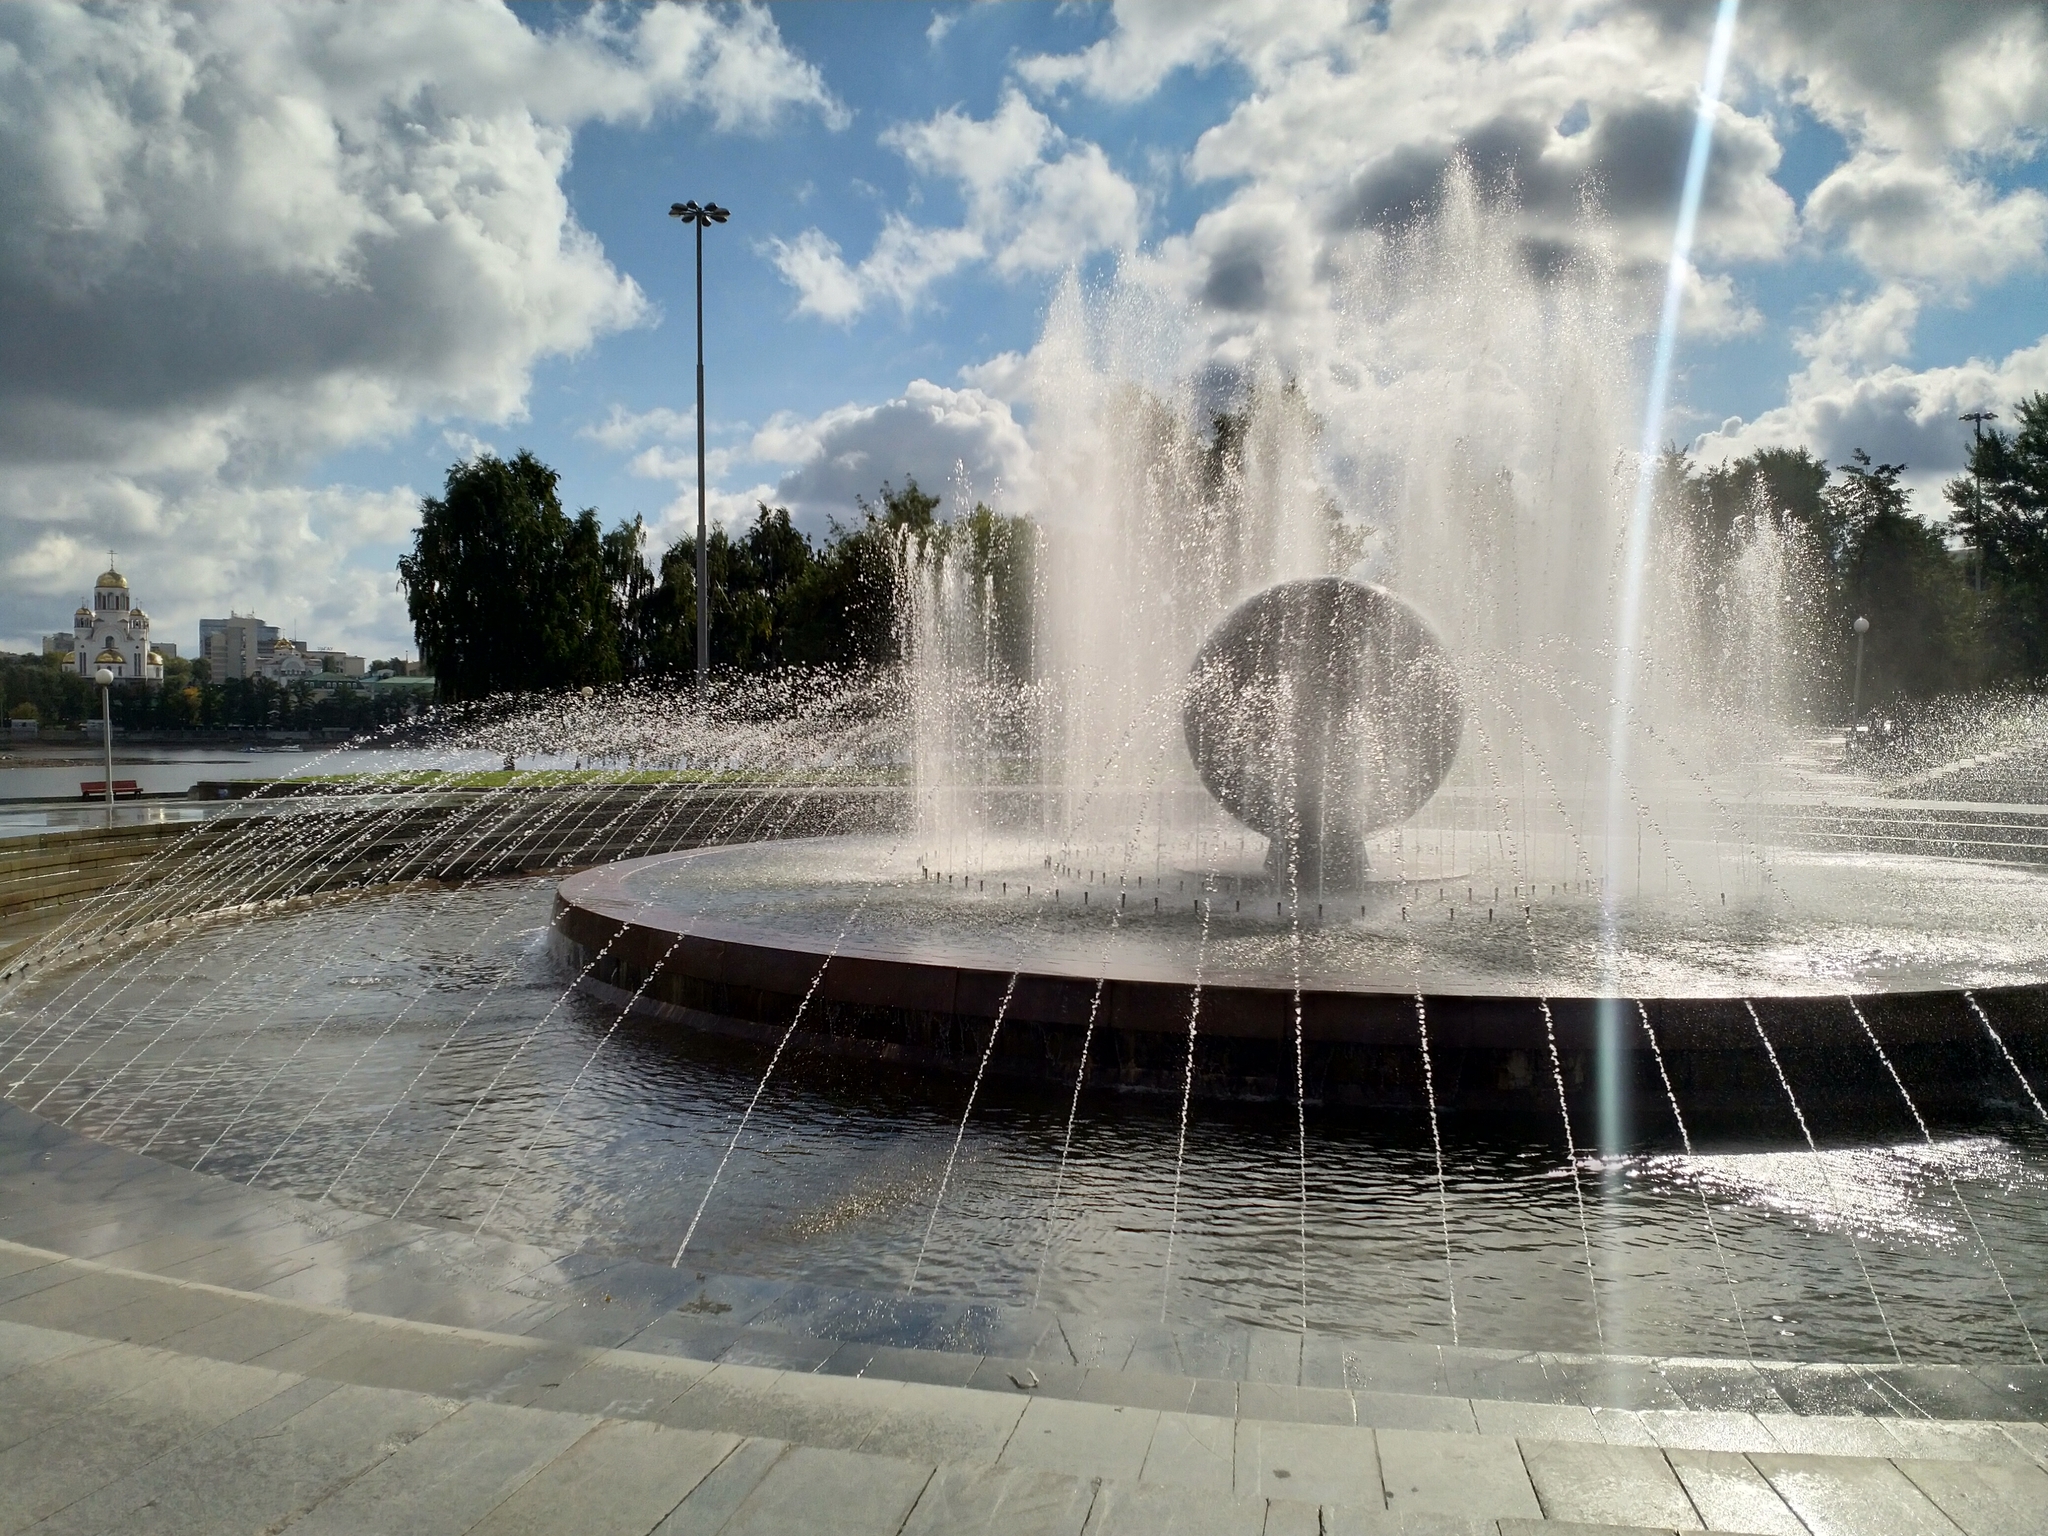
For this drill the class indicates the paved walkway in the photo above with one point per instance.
(262, 1365)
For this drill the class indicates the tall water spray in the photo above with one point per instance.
(1462, 431)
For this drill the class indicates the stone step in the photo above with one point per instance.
(1513, 1461)
(104, 1436)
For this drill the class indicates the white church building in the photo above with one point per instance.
(114, 635)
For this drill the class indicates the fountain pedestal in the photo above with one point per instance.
(1317, 713)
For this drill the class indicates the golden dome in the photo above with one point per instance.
(109, 657)
(112, 578)
(155, 660)
(83, 617)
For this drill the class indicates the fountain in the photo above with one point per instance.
(1243, 933)
(1313, 720)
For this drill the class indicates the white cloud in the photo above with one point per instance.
(236, 236)
(622, 430)
(953, 442)
(906, 261)
(1036, 201)
(1903, 217)
(1924, 77)
(1006, 377)
(1857, 335)
(1712, 308)
(1154, 38)
(1856, 392)
(467, 444)
(1351, 121)
(659, 463)
(1931, 96)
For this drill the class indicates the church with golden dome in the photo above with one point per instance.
(114, 634)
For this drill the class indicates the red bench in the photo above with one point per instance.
(96, 789)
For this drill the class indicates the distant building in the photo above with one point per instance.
(242, 645)
(62, 644)
(208, 628)
(113, 634)
(338, 663)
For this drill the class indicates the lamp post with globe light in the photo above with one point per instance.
(105, 678)
(1862, 628)
(709, 213)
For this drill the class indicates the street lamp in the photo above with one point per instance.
(1977, 420)
(709, 213)
(1862, 628)
(105, 678)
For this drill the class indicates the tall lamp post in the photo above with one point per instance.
(1977, 420)
(709, 213)
(105, 678)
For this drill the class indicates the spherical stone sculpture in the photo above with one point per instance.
(1318, 712)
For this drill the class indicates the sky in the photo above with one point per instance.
(268, 270)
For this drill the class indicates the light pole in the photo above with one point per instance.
(709, 213)
(1977, 420)
(1862, 628)
(105, 678)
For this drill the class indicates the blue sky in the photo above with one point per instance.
(273, 268)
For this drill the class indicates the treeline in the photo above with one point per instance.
(1955, 603)
(48, 691)
(509, 592)
(45, 689)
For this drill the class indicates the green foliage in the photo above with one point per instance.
(1711, 504)
(187, 700)
(909, 508)
(1877, 558)
(779, 600)
(2000, 507)
(995, 553)
(1897, 571)
(507, 592)
(58, 694)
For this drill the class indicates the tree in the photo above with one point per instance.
(506, 591)
(1898, 572)
(845, 609)
(630, 582)
(910, 508)
(60, 696)
(2000, 507)
(1787, 481)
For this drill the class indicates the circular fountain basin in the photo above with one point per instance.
(863, 947)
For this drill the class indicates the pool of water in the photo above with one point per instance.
(423, 1052)
(1825, 921)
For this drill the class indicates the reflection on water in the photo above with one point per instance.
(1893, 1191)
(417, 1052)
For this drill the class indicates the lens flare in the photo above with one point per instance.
(1613, 1128)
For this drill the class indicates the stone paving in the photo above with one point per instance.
(181, 1353)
